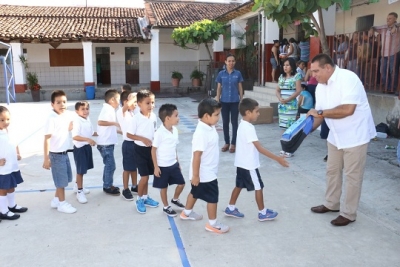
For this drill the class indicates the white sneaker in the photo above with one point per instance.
(54, 203)
(66, 208)
(75, 189)
(80, 196)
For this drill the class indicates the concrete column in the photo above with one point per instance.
(237, 27)
(88, 63)
(155, 60)
(270, 32)
(19, 69)
(218, 46)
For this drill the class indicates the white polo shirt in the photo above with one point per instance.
(82, 127)
(107, 134)
(344, 87)
(8, 151)
(205, 139)
(166, 142)
(143, 126)
(124, 121)
(58, 126)
(246, 156)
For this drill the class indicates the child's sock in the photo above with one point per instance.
(263, 211)
(144, 197)
(231, 207)
(62, 203)
(212, 222)
(3, 204)
(11, 199)
(187, 212)
(175, 199)
(166, 207)
(134, 186)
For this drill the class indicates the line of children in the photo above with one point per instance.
(125, 117)
(10, 175)
(142, 132)
(82, 134)
(247, 162)
(56, 145)
(167, 170)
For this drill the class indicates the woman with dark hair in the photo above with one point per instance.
(293, 50)
(229, 93)
(289, 87)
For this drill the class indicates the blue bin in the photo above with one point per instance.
(90, 92)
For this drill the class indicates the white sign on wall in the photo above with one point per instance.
(392, 1)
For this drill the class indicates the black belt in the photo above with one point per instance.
(62, 153)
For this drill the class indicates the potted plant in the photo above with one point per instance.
(33, 85)
(176, 78)
(196, 76)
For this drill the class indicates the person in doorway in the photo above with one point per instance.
(274, 59)
(343, 103)
(229, 93)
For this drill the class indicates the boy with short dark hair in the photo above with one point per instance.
(165, 159)
(82, 139)
(204, 166)
(56, 145)
(247, 162)
(142, 132)
(107, 127)
(125, 117)
(126, 87)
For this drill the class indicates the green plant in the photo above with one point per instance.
(33, 82)
(24, 61)
(176, 75)
(197, 74)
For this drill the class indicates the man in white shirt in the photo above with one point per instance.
(341, 100)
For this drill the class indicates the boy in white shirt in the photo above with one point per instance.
(142, 131)
(165, 159)
(107, 127)
(56, 145)
(204, 166)
(82, 139)
(247, 162)
(125, 117)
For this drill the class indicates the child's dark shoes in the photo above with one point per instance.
(9, 216)
(18, 209)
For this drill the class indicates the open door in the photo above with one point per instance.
(103, 68)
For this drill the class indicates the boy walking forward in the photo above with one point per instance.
(247, 162)
(165, 159)
(204, 166)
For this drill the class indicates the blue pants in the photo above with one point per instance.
(390, 70)
(107, 153)
(230, 113)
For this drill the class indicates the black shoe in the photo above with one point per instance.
(326, 158)
(177, 203)
(127, 194)
(169, 211)
(112, 191)
(134, 190)
(8, 216)
(19, 210)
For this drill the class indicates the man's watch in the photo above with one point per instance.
(320, 113)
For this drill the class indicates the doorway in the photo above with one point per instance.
(132, 65)
(103, 69)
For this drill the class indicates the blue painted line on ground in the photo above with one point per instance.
(67, 189)
(179, 243)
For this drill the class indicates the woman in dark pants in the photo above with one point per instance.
(229, 93)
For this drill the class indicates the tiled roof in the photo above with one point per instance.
(179, 13)
(236, 12)
(69, 23)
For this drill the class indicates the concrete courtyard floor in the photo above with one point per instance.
(108, 231)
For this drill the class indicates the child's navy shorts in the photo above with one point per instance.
(169, 175)
(83, 158)
(206, 191)
(249, 179)
(128, 156)
(144, 161)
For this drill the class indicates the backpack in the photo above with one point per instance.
(383, 128)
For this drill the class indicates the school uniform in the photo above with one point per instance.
(83, 155)
(10, 174)
(128, 145)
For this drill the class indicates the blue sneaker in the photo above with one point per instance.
(149, 202)
(233, 213)
(140, 207)
(269, 216)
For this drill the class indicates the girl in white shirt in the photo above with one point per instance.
(10, 175)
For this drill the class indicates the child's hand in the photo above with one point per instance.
(71, 126)
(281, 160)
(117, 125)
(2, 162)
(47, 164)
(146, 142)
(19, 157)
(157, 172)
(91, 142)
(195, 180)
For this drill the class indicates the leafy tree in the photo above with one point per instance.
(286, 12)
(200, 32)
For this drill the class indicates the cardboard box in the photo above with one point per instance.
(266, 115)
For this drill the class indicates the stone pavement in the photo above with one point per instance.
(107, 231)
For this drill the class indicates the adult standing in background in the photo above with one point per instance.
(304, 46)
(390, 62)
(287, 90)
(229, 93)
(343, 103)
(341, 50)
(293, 50)
(274, 59)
